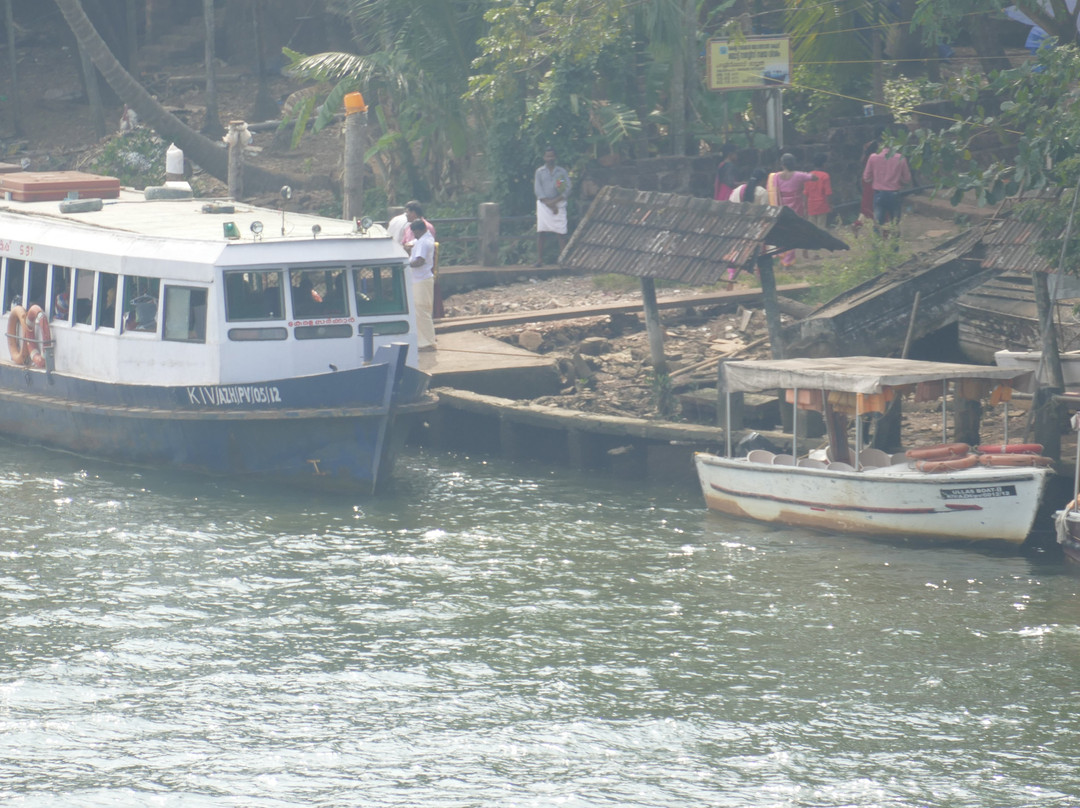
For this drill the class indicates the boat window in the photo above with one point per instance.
(61, 294)
(106, 301)
(318, 293)
(39, 277)
(253, 295)
(185, 314)
(258, 334)
(342, 331)
(84, 295)
(380, 290)
(391, 327)
(14, 270)
(140, 304)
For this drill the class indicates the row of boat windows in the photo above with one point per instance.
(304, 298)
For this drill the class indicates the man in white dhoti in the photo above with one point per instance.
(422, 263)
(552, 187)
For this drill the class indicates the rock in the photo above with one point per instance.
(594, 346)
(530, 340)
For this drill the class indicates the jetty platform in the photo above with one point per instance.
(487, 388)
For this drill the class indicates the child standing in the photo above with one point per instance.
(818, 195)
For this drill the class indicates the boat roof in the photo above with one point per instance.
(853, 374)
(194, 218)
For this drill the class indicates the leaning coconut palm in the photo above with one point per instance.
(210, 155)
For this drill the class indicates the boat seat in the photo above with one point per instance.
(760, 456)
(783, 460)
(841, 467)
(871, 458)
(807, 463)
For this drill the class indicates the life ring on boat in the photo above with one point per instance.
(1015, 460)
(954, 464)
(18, 344)
(943, 451)
(1012, 448)
(37, 322)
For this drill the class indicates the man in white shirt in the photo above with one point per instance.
(422, 265)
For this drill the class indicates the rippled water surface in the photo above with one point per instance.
(499, 635)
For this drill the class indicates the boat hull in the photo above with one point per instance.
(977, 504)
(1031, 361)
(337, 431)
(1067, 523)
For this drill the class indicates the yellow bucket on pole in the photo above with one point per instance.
(354, 102)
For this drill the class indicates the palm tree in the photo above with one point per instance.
(211, 156)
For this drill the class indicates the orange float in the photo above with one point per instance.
(1015, 460)
(943, 451)
(40, 335)
(955, 464)
(18, 344)
(1011, 448)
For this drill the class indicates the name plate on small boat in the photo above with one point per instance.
(980, 492)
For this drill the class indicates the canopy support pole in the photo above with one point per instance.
(653, 326)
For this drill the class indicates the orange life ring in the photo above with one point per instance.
(1015, 460)
(40, 334)
(1012, 448)
(942, 451)
(18, 345)
(955, 464)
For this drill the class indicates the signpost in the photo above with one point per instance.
(753, 63)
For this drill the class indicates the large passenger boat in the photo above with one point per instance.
(206, 335)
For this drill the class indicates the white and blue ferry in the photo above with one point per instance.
(212, 336)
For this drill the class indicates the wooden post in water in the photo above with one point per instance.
(654, 326)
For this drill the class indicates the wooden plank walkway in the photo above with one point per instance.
(451, 324)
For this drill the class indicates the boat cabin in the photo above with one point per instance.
(166, 291)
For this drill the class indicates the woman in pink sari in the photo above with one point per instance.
(786, 188)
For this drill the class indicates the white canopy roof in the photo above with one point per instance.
(852, 374)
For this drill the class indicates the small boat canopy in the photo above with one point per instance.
(855, 374)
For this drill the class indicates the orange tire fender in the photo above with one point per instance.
(943, 451)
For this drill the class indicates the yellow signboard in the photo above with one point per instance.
(751, 63)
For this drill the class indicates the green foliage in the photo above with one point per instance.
(136, 158)
(663, 395)
(843, 272)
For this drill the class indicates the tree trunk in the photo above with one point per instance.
(771, 306)
(131, 23)
(9, 23)
(93, 93)
(987, 46)
(653, 326)
(211, 119)
(265, 108)
(204, 152)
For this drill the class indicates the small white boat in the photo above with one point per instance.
(971, 497)
(1032, 361)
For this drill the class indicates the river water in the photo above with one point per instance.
(503, 635)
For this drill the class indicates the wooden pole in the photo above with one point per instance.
(771, 305)
(653, 325)
(236, 139)
(353, 179)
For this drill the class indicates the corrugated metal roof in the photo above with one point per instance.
(683, 238)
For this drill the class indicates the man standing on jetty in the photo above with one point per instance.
(552, 187)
